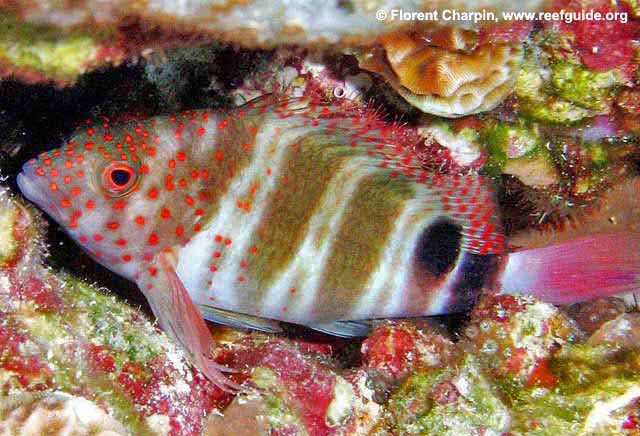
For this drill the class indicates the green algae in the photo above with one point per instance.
(414, 411)
(106, 321)
(589, 376)
(510, 146)
(278, 412)
(57, 54)
(557, 88)
(559, 93)
(576, 84)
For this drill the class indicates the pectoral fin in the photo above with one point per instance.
(180, 318)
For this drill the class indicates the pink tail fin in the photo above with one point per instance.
(577, 270)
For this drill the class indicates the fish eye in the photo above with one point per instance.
(118, 178)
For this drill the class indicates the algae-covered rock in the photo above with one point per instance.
(514, 337)
(300, 393)
(597, 394)
(56, 413)
(585, 88)
(58, 333)
(37, 52)
(539, 101)
(454, 401)
(463, 144)
(555, 87)
(518, 149)
(395, 349)
(254, 22)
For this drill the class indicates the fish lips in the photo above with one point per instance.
(30, 186)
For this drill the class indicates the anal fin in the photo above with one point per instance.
(344, 329)
(238, 320)
(179, 317)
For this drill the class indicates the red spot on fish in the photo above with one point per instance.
(199, 212)
(65, 202)
(66, 180)
(75, 191)
(241, 279)
(181, 155)
(172, 163)
(217, 254)
(90, 131)
(121, 242)
(189, 200)
(253, 249)
(165, 213)
(139, 220)
(197, 227)
(179, 230)
(144, 169)
(97, 237)
(39, 171)
(126, 257)
(153, 239)
(108, 137)
(53, 186)
(153, 193)
(119, 204)
(90, 204)
(47, 161)
(113, 225)
(227, 241)
(213, 268)
(218, 155)
(200, 131)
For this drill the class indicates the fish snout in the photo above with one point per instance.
(30, 185)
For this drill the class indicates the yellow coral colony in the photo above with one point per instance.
(443, 73)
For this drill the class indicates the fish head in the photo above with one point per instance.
(111, 196)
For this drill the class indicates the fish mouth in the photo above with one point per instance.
(33, 187)
(29, 190)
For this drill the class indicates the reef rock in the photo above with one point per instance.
(55, 413)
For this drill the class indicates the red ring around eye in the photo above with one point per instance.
(118, 178)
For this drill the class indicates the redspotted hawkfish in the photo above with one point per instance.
(297, 211)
